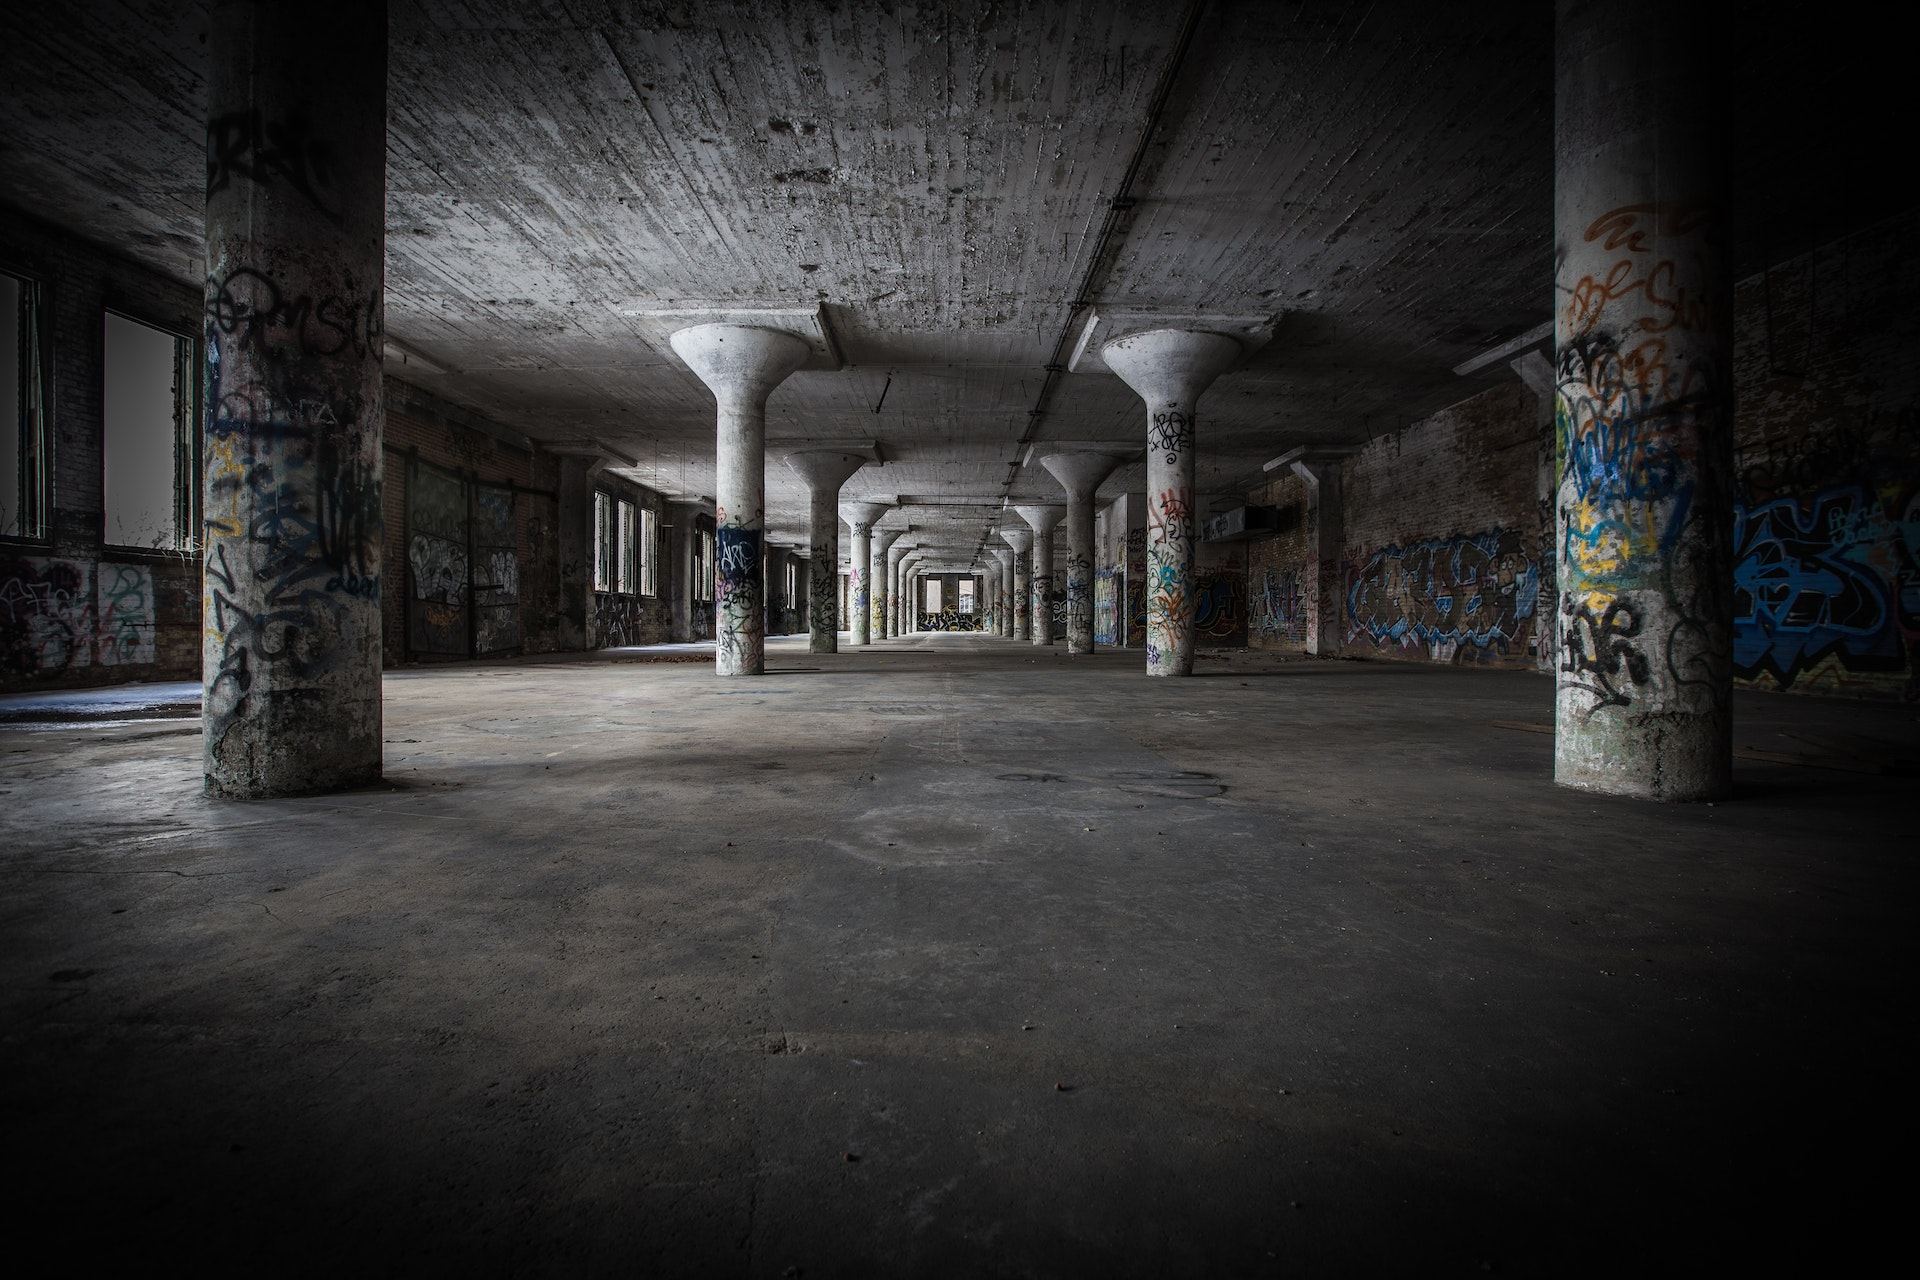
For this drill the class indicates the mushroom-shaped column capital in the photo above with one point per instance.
(1170, 367)
(1042, 519)
(825, 469)
(1080, 473)
(740, 363)
(861, 516)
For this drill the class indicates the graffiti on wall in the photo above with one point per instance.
(1823, 580)
(1107, 584)
(1219, 607)
(1826, 546)
(1445, 598)
(1278, 609)
(620, 620)
(124, 615)
(58, 614)
(949, 620)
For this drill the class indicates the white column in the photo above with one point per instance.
(1170, 368)
(741, 365)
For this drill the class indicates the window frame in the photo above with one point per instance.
(188, 434)
(648, 551)
(623, 547)
(32, 354)
(602, 540)
(703, 551)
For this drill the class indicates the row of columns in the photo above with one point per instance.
(294, 428)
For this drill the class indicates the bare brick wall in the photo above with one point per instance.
(79, 612)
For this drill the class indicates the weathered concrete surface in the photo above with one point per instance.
(1042, 520)
(1080, 473)
(631, 958)
(932, 175)
(291, 457)
(860, 517)
(823, 472)
(1020, 538)
(1643, 330)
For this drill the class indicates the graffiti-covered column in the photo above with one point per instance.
(824, 471)
(883, 540)
(1080, 475)
(1170, 369)
(860, 517)
(1042, 520)
(1643, 341)
(896, 555)
(1325, 578)
(295, 251)
(1021, 540)
(741, 365)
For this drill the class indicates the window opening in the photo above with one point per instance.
(649, 552)
(624, 547)
(966, 595)
(703, 568)
(150, 454)
(23, 441)
(602, 542)
(933, 595)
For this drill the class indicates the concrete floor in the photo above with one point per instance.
(955, 957)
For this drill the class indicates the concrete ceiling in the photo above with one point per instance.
(1378, 177)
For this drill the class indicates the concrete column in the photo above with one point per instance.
(896, 554)
(683, 538)
(883, 543)
(741, 365)
(1020, 538)
(1042, 520)
(1170, 369)
(1325, 585)
(1643, 345)
(1002, 589)
(802, 612)
(1080, 474)
(574, 532)
(860, 517)
(776, 560)
(295, 290)
(824, 471)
